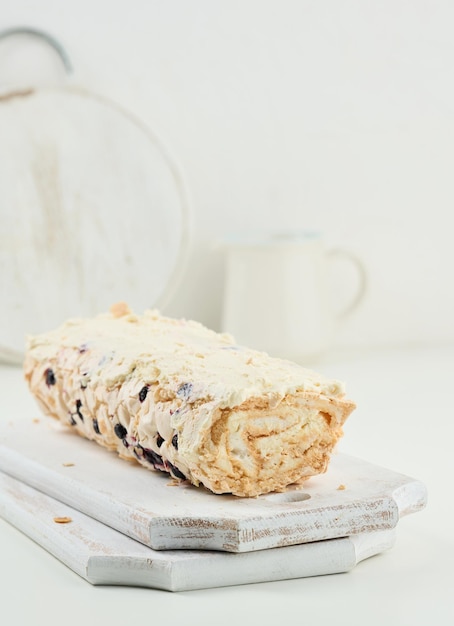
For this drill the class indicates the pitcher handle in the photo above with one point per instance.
(362, 282)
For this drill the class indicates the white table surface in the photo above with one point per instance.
(404, 421)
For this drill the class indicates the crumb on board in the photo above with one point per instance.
(68, 464)
(341, 487)
(174, 482)
(35, 420)
(62, 520)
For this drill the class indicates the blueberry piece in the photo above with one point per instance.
(184, 390)
(152, 457)
(159, 440)
(82, 348)
(96, 426)
(176, 472)
(120, 431)
(175, 441)
(78, 405)
(72, 421)
(143, 393)
(50, 377)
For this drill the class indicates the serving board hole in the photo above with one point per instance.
(290, 496)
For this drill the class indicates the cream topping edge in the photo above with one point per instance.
(173, 352)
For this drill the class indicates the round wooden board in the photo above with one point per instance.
(93, 210)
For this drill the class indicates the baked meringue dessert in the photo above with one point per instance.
(180, 398)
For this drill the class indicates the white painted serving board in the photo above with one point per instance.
(352, 497)
(104, 556)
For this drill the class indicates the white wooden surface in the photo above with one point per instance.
(149, 507)
(104, 556)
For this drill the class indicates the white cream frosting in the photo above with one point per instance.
(180, 351)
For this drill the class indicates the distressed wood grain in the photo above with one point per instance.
(353, 497)
(104, 556)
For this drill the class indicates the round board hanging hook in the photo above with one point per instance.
(45, 36)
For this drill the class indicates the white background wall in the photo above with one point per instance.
(283, 114)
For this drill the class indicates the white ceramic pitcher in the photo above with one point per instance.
(278, 294)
